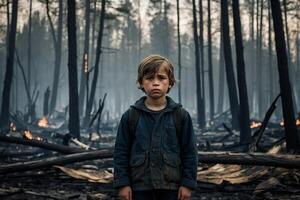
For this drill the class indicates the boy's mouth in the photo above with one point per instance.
(155, 90)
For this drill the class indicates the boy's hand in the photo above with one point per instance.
(184, 193)
(125, 193)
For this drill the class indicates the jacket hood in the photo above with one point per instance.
(171, 105)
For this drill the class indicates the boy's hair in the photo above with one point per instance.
(150, 65)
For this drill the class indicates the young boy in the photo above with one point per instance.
(154, 158)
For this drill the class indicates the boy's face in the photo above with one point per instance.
(156, 85)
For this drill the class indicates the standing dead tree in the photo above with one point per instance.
(4, 117)
(292, 135)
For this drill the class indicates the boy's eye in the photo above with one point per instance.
(149, 77)
(162, 77)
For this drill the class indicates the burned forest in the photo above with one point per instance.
(69, 70)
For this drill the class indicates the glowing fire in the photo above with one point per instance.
(255, 125)
(43, 122)
(13, 127)
(297, 122)
(28, 135)
(86, 66)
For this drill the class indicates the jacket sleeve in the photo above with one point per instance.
(121, 154)
(189, 154)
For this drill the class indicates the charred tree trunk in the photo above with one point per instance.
(210, 65)
(46, 102)
(179, 51)
(72, 68)
(260, 69)
(96, 70)
(292, 136)
(5, 105)
(197, 63)
(270, 57)
(29, 49)
(85, 58)
(202, 101)
(57, 42)
(245, 132)
(221, 75)
(233, 99)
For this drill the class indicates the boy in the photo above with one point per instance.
(151, 159)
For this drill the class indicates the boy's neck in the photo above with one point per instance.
(156, 104)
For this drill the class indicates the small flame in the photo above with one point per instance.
(86, 66)
(13, 127)
(255, 125)
(282, 123)
(297, 122)
(28, 135)
(43, 122)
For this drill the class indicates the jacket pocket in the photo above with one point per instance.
(171, 168)
(137, 167)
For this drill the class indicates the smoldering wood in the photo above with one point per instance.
(45, 145)
(57, 160)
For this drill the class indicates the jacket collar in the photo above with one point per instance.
(171, 105)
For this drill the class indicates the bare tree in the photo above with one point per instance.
(85, 57)
(96, 70)
(4, 117)
(245, 132)
(233, 99)
(292, 136)
(210, 66)
(72, 69)
(197, 67)
(57, 43)
(179, 51)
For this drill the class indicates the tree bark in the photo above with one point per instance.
(197, 65)
(201, 45)
(57, 42)
(5, 105)
(210, 65)
(85, 57)
(179, 51)
(72, 69)
(221, 73)
(233, 99)
(46, 102)
(29, 49)
(292, 136)
(245, 131)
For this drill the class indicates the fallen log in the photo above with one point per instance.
(45, 145)
(57, 160)
(261, 159)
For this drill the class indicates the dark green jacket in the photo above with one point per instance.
(154, 158)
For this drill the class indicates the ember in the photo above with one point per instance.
(13, 127)
(28, 135)
(43, 122)
(255, 125)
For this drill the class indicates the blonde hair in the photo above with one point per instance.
(151, 64)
